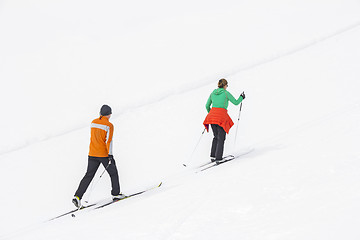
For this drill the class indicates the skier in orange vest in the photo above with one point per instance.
(100, 153)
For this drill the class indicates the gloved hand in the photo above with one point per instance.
(243, 95)
(111, 159)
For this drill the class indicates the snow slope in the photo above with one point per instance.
(157, 64)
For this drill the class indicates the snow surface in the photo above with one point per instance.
(155, 63)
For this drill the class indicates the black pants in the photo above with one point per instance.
(217, 147)
(93, 165)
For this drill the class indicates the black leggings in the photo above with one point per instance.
(217, 147)
(93, 165)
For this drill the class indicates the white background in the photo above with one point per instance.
(155, 63)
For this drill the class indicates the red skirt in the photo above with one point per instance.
(220, 117)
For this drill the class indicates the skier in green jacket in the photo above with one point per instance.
(218, 117)
(220, 98)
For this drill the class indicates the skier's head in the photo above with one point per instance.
(105, 111)
(222, 83)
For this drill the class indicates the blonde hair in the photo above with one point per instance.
(222, 83)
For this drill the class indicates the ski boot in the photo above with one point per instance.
(118, 197)
(77, 202)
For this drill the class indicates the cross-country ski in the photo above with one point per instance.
(103, 203)
(126, 197)
(73, 211)
(224, 160)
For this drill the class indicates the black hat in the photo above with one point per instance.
(105, 110)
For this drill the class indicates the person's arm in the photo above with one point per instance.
(109, 143)
(233, 100)
(208, 104)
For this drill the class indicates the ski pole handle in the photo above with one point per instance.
(237, 127)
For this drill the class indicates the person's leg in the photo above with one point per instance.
(214, 128)
(113, 172)
(220, 143)
(93, 165)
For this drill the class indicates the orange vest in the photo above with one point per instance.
(220, 117)
(101, 137)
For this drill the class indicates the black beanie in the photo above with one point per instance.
(105, 110)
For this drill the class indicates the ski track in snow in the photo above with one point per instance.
(295, 50)
(200, 199)
(208, 80)
(307, 125)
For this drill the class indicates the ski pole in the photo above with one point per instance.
(93, 185)
(237, 127)
(195, 147)
(105, 169)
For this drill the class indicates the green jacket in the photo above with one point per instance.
(220, 98)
